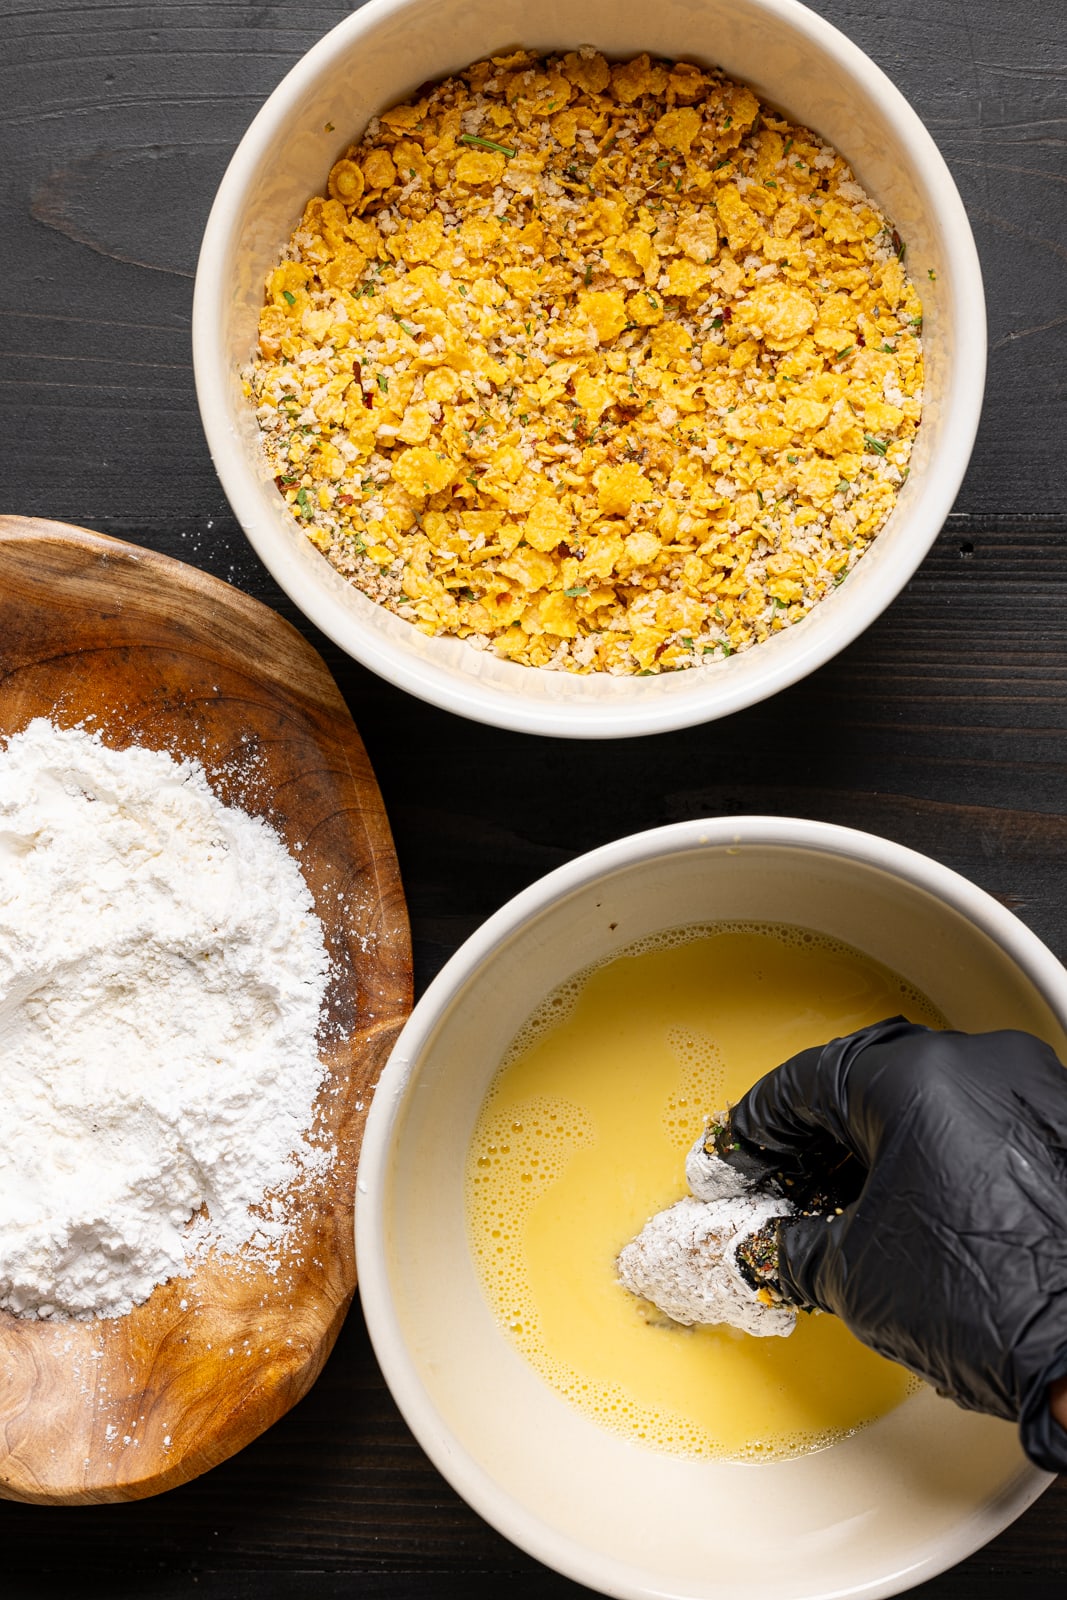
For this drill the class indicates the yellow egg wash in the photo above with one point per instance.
(583, 1136)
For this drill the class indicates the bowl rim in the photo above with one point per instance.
(649, 710)
(499, 1507)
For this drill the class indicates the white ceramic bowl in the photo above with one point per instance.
(791, 57)
(873, 1514)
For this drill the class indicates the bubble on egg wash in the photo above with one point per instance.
(516, 1156)
(702, 1086)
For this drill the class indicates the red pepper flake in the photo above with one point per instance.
(346, 499)
(357, 373)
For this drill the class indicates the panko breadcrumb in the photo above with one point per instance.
(600, 366)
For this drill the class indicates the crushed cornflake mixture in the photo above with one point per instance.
(602, 367)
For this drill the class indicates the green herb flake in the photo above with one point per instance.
(578, 589)
(876, 445)
(793, 459)
(486, 144)
(303, 502)
(847, 351)
(289, 298)
(383, 383)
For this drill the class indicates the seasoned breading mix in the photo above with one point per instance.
(603, 367)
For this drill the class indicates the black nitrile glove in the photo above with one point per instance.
(950, 1250)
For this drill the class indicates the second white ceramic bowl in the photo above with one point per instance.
(793, 59)
(874, 1513)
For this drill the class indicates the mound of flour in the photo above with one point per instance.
(162, 974)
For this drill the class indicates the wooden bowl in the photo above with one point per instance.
(162, 655)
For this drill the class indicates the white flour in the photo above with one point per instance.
(162, 974)
(684, 1260)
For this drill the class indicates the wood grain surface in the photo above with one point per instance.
(944, 727)
(149, 651)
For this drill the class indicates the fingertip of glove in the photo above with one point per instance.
(803, 1246)
(1042, 1437)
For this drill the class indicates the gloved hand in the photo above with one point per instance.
(949, 1253)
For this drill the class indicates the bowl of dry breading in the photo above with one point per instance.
(518, 1110)
(589, 371)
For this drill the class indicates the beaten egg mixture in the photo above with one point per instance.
(583, 1136)
(602, 367)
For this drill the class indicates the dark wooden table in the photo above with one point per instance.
(943, 728)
